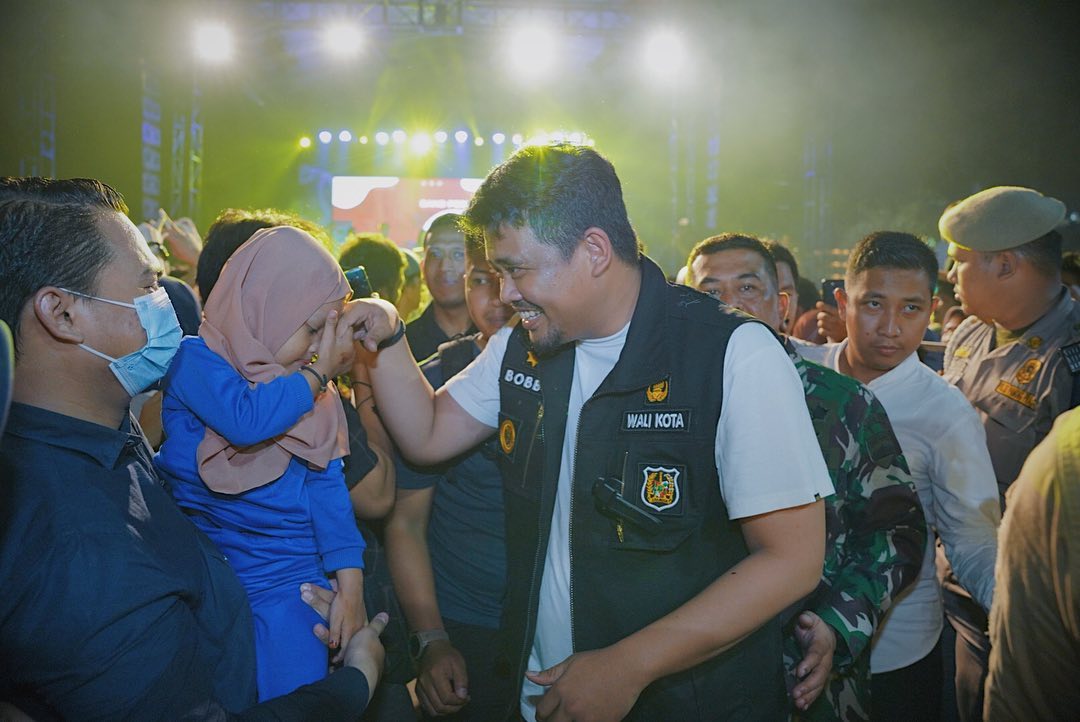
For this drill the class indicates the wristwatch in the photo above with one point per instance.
(419, 641)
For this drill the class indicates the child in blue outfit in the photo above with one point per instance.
(255, 436)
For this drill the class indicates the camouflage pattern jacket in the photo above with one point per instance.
(875, 533)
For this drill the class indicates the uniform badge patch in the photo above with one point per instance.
(657, 393)
(1016, 394)
(660, 487)
(1027, 372)
(962, 352)
(507, 436)
(1034, 342)
(531, 359)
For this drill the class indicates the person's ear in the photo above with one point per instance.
(785, 303)
(598, 250)
(59, 313)
(1005, 265)
(840, 294)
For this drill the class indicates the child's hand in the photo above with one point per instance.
(335, 350)
(347, 612)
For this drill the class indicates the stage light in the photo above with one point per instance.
(558, 137)
(665, 55)
(363, 140)
(343, 40)
(540, 138)
(440, 136)
(305, 142)
(420, 143)
(382, 137)
(479, 141)
(498, 138)
(213, 43)
(533, 50)
(398, 136)
(517, 139)
(576, 138)
(325, 136)
(345, 136)
(461, 136)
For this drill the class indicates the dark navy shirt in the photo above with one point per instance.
(114, 605)
(467, 528)
(425, 336)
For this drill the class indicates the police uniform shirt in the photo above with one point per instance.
(763, 412)
(1019, 388)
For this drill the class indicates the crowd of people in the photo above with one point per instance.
(566, 488)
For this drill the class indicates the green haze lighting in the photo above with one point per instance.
(440, 136)
(533, 50)
(479, 141)
(517, 139)
(363, 140)
(664, 55)
(213, 43)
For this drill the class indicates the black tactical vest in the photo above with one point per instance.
(648, 528)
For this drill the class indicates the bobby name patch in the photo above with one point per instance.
(522, 380)
(654, 420)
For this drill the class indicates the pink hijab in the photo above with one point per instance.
(270, 286)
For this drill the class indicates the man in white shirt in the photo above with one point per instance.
(653, 534)
(886, 306)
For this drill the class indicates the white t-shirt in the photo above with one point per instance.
(945, 447)
(767, 456)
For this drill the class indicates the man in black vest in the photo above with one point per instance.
(653, 534)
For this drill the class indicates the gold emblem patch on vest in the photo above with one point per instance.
(1034, 342)
(657, 393)
(1016, 394)
(531, 359)
(660, 487)
(1027, 372)
(507, 436)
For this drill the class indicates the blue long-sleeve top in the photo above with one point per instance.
(203, 390)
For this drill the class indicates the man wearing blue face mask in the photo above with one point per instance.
(114, 605)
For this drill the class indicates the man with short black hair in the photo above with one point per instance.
(874, 525)
(443, 267)
(653, 536)
(1016, 358)
(381, 259)
(886, 305)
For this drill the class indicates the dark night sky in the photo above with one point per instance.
(920, 102)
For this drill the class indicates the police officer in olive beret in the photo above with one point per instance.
(1016, 358)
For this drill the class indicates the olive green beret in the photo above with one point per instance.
(1000, 218)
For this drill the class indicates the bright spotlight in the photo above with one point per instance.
(420, 143)
(382, 137)
(345, 136)
(533, 50)
(440, 136)
(665, 55)
(461, 136)
(343, 40)
(398, 136)
(540, 138)
(576, 138)
(325, 136)
(517, 139)
(363, 140)
(479, 141)
(213, 43)
(498, 138)
(305, 142)
(558, 136)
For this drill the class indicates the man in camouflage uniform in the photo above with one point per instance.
(875, 528)
(1016, 358)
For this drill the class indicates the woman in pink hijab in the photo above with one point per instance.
(255, 434)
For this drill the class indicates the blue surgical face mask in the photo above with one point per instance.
(139, 370)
